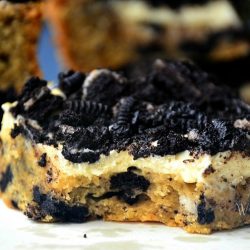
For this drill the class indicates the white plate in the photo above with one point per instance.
(18, 232)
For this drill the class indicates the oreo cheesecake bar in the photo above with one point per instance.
(169, 147)
(20, 24)
(119, 32)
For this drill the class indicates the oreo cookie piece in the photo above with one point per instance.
(6, 178)
(70, 81)
(129, 186)
(104, 86)
(60, 211)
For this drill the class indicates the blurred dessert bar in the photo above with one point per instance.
(112, 33)
(20, 23)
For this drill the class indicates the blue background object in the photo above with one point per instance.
(47, 56)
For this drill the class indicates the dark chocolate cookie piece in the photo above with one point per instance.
(129, 186)
(105, 87)
(43, 160)
(59, 210)
(86, 145)
(6, 178)
(36, 101)
(70, 81)
(205, 215)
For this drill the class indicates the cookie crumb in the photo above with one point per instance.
(43, 160)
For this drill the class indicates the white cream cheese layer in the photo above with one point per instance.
(183, 166)
(214, 15)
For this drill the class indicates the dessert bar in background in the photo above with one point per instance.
(169, 147)
(93, 34)
(20, 24)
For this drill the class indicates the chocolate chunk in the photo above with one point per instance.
(59, 210)
(126, 180)
(129, 186)
(43, 160)
(205, 215)
(6, 179)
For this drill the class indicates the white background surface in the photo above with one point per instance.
(18, 232)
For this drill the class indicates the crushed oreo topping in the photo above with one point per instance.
(109, 85)
(124, 114)
(174, 107)
(36, 101)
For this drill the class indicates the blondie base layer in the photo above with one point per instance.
(168, 147)
(20, 25)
